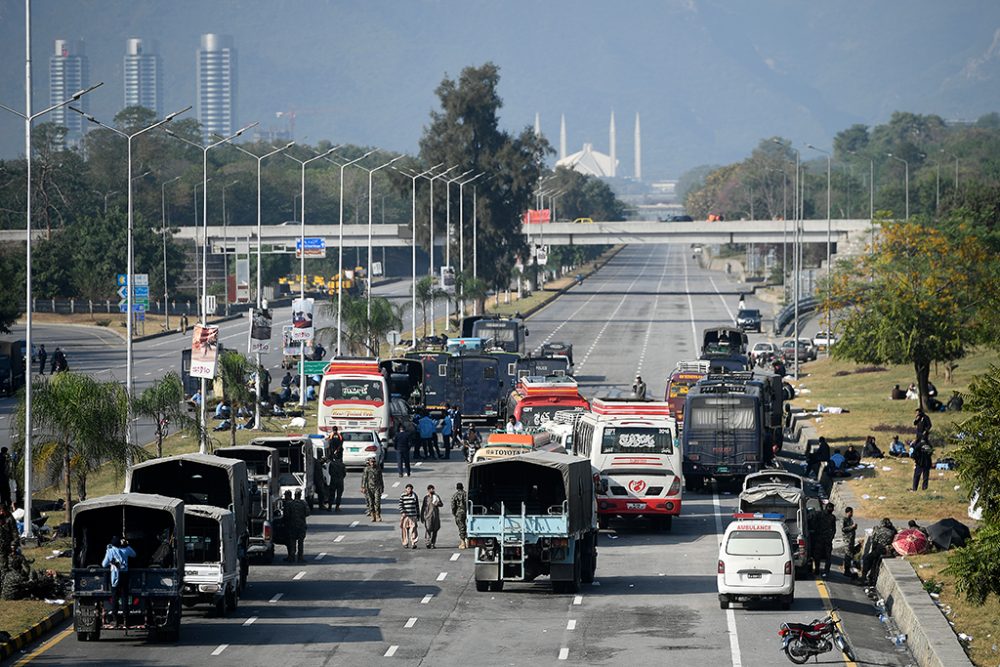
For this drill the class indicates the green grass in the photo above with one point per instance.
(16, 616)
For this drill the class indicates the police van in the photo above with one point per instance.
(755, 561)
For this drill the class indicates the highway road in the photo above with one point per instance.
(360, 599)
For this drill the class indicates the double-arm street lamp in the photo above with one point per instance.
(432, 179)
(413, 176)
(906, 182)
(447, 245)
(129, 271)
(829, 241)
(461, 230)
(371, 174)
(203, 414)
(163, 233)
(29, 119)
(260, 306)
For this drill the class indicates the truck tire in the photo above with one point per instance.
(496, 586)
(589, 560)
(723, 602)
(693, 483)
(221, 606)
(232, 600)
(483, 586)
(664, 523)
(269, 555)
(572, 586)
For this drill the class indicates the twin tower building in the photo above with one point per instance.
(142, 73)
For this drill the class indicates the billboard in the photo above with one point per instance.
(260, 331)
(302, 319)
(535, 216)
(204, 351)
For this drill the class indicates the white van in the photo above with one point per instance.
(755, 561)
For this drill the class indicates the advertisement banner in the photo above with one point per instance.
(536, 216)
(204, 351)
(302, 319)
(260, 331)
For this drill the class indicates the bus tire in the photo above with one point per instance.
(496, 586)
(588, 561)
(602, 522)
(483, 586)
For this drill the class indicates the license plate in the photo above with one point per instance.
(722, 469)
(635, 506)
(754, 575)
(354, 449)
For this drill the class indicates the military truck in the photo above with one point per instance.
(533, 515)
(201, 479)
(153, 526)
(211, 568)
(265, 495)
(295, 465)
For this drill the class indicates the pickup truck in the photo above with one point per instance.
(792, 502)
(533, 515)
(211, 569)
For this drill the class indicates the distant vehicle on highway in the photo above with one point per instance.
(824, 339)
(763, 349)
(788, 351)
(678, 218)
(748, 319)
(583, 220)
(359, 446)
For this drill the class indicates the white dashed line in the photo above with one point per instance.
(455, 557)
(410, 622)
(418, 463)
(442, 576)
(354, 524)
(426, 599)
(391, 651)
(578, 599)
(276, 598)
(563, 653)
(571, 624)
(220, 649)
(321, 555)
(299, 575)
(652, 315)
(249, 621)
(148, 374)
(385, 495)
(338, 538)
(395, 485)
(734, 641)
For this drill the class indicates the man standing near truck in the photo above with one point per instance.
(372, 486)
(338, 471)
(116, 558)
(459, 501)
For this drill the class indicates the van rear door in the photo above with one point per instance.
(755, 556)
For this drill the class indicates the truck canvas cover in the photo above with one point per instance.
(224, 525)
(260, 461)
(138, 517)
(512, 481)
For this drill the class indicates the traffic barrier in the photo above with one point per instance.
(35, 632)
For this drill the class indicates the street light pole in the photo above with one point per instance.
(260, 306)
(29, 119)
(432, 179)
(906, 166)
(130, 268)
(829, 241)
(163, 231)
(371, 174)
(225, 243)
(461, 232)
(203, 389)
(447, 243)
(413, 243)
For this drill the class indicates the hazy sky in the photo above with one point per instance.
(710, 77)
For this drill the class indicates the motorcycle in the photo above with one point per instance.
(801, 641)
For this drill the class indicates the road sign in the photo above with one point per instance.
(315, 248)
(393, 337)
(542, 255)
(140, 292)
(138, 308)
(376, 268)
(123, 292)
(141, 279)
(121, 279)
(123, 307)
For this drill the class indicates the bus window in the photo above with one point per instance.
(637, 440)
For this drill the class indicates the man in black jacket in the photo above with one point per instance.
(922, 463)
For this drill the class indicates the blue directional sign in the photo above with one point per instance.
(121, 279)
(138, 308)
(123, 307)
(123, 292)
(315, 247)
(141, 291)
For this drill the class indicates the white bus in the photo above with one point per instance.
(633, 446)
(354, 395)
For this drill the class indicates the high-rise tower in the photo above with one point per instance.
(216, 85)
(143, 75)
(69, 72)
(613, 153)
(638, 149)
(538, 124)
(562, 136)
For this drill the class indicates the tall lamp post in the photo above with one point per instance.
(225, 241)
(829, 241)
(461, 231)
(413, 244)
(796, 249)
(129, 271)
(371, 174)
(952, 155)
(163, 232)
(260, 306)
(447, 226)
(29, 119)
(203, 413)
(302, 260)
(906, 182)
(432, 179)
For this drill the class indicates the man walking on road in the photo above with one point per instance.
(403, 440)
(372, 486)
(408, 513)
(294, 511)
(42, 356)
(338, 471)
(430, 512)
(459, 502)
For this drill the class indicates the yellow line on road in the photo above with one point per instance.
(44, 647)
(828, 603)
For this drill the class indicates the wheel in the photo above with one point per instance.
(232, 600)
(87, 636)
(573, 586)
(170, 635)
(587, 563)
(269, 555)
(723, 602)
(220, 606)
(797, 651)
(663, 523)
(602, 522)
(786, 602)
(496, 586)
(483, 586)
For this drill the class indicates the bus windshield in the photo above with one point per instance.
(637, 440)
(353, 390)
(500, 332)
(721, 413)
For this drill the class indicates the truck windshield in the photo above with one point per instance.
(721, 413)
(500, 332)
(637, 440)
(755, 543)
(353, 390)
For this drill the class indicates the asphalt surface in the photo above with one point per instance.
(361, 599)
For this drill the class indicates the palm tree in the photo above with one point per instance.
(163, 403)
(427, 293)
(234, 370)
(79, 423)
(470, 288)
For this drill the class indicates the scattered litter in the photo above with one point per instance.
(887, 468)
(940, 474)
(866, 497)
(614, 537)
(631, 585)
(819, 419)
(958, 486)
(803, 390)
(297, 422)
(57, 601)
(964, 637)
(881, 497)
(923, 565)
(935, 596)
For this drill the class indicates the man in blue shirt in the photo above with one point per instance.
(447, 429)
(116, 557)
(427, 430)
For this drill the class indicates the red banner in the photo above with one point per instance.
(535, 216)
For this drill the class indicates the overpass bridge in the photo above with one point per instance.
(281, 238)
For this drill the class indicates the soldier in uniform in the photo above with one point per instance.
(295, 511)
(459, 501)
(825, 528)
(8, 537)
(849, 530)
(337, 474)
(372, 487)
(319, 480)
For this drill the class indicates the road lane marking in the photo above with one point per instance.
(578, 599)
(652, 314)
(276, 598)
(427, 598)
(338, 538)
(455, 557)
(354, 524)
(824, 593)
(391, 651)
(563, 653)
(734, 640)
(725, 305)
(249, 621)
(222, 647)
(395, 485)
(571, 624)
(410, 622)
(442, 576)
(44, 647)
(321, 555)
(299, 575)
(385, 495)
(687, 291)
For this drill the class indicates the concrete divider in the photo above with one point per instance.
(929, 636)
(35, 632)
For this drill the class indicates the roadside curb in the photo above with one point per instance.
(555, 294)
(36, 632)
(931, 639)
(164, 334)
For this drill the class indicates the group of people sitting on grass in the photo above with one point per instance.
(954, 404)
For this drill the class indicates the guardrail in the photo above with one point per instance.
(786, 315)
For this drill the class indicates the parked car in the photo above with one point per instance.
(583, 220)
(811, 351)
(824, 339)
(359, 446)
(763, 349)
(748, 319)
(788, 351)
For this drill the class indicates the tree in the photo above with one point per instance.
(472, 289)
(427, 293)
(79, 423)
(12, 287)
(234, 371)
(163, 403)
(922, 297)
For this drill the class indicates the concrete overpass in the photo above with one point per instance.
(281, 238)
